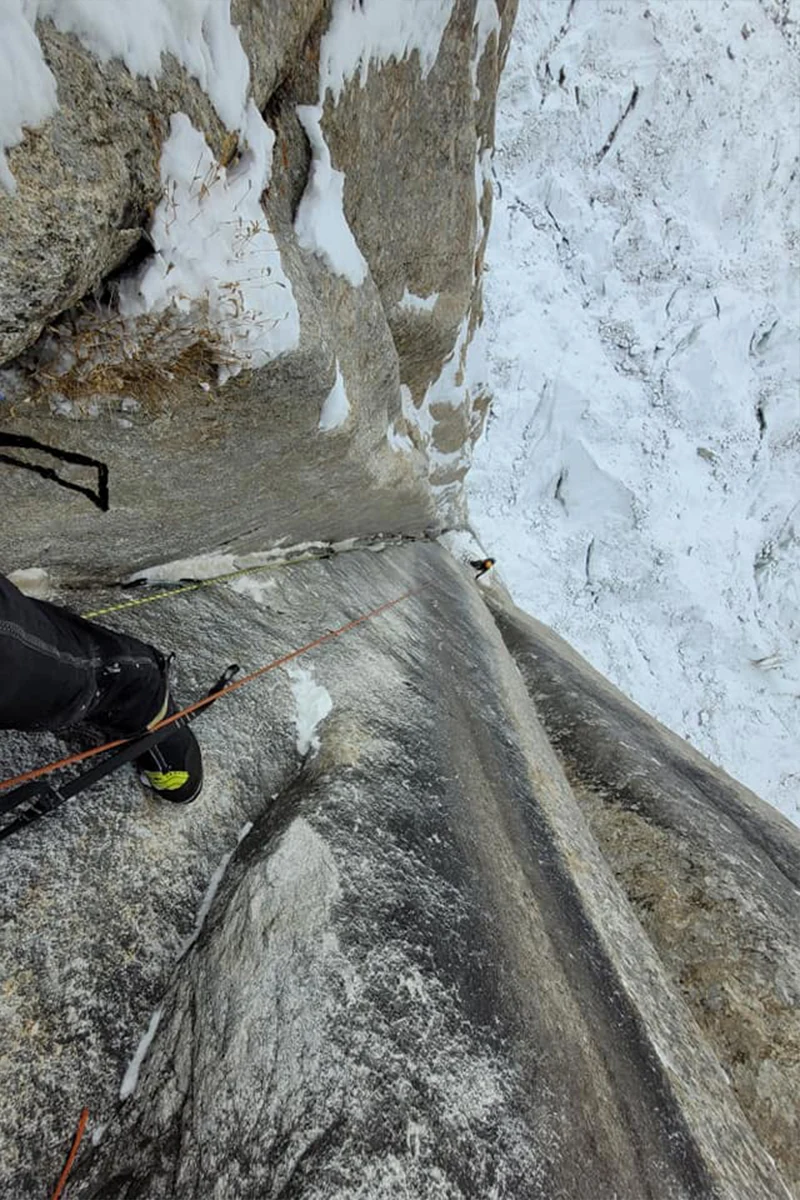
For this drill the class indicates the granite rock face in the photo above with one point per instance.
(109, 438)
(712, 872)
(417, 974)
(88, 178)
(496, 933)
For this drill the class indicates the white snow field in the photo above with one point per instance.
(639, 477)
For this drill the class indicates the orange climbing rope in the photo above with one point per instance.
(73, 759)
(76, 1141)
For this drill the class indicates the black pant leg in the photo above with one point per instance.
(57, 669)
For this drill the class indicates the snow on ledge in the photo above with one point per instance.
(336, 408)
(214, 249)
(210, 566)
(320, 224)
(377, 31)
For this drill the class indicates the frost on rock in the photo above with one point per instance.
(320, 224)
(313, 703)
(377, 31)
(214, 253)
(27, 87)
(336, 408)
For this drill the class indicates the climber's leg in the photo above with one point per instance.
(57, 669)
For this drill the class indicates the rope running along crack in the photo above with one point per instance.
(74, 759)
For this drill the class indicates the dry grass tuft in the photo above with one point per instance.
(94, 355)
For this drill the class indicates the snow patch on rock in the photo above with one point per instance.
(27, 87)
(487, 22)
(336, 408)
(313, 703)
(417, 304)
(452, 385)
(375, 32)
(320, 224)
(212, 889)
(399, 442)
(131, 1076)
(462, 377)
(214, 253)
(198, 33)
(214, 250)
(32, 581)
(212, 566)
(255, 587)
(483, 175)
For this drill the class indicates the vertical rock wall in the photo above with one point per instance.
(114, 415)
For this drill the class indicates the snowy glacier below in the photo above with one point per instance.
(639, 477)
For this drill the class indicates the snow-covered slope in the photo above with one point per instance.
(639, 479)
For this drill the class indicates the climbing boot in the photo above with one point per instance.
(173, 769)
